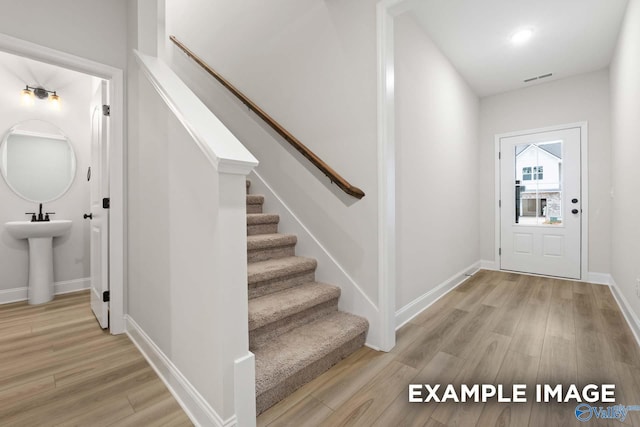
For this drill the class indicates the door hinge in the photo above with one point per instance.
(106, 110)
(105, 296)
(106, 203)
(499, 155)
(499, 203)
(499, 251)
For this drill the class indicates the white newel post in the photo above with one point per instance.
(239, 369)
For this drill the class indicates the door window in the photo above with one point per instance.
(538, 184)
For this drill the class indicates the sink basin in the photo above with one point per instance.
(28, 229)
(40, 236)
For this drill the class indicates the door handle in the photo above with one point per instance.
(574, 211)
(90, 216)
(574, 200)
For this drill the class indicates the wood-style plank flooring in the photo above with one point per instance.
(494, 328)
(58, 368)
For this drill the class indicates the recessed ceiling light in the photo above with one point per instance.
(521, 36)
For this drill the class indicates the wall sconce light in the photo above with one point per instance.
(30, 93)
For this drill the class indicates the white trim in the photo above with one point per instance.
(244, 391)
(72, 286)
(329, 269)
(191, 401)
(599, 278)
(418, 305)
(584, 184)
(21, 293)
(496, 203)
(217, 143)
(386, 173)
(627, 311)
(13, 295)
(116, 157)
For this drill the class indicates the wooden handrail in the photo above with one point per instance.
(303, 149)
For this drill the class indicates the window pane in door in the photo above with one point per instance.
(538, 184)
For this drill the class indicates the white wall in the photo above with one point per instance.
(625, 108)
(311, 65)
(71, 252)
(580, 98)
(436, 165)
(92, 29)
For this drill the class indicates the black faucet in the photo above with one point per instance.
(40, 217)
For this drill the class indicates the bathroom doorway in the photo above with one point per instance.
(109, 265)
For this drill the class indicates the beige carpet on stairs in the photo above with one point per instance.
(295, 328)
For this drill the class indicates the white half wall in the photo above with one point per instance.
(625, 153)
(574, 99)
(187, 242)
(436, 166)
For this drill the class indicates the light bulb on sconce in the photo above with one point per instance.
(29, 94)
(26, 97)
(54, 101)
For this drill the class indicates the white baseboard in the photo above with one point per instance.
(415, 307)
(599, 278)
(13, 295)
(194, 405)
(625, 307)
(72, 286)
(20, 294)
(486, 264)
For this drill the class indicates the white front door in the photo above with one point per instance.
(540, 198)
(99, 216)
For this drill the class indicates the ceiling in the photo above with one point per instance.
(570, 37)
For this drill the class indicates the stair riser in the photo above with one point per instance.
(261, 229)
(254, 209)
(271, 253)
(270, 397)
(267, 332)
(270, 286)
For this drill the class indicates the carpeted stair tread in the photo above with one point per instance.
(262, 218)
(295, 328)
(277, 268)
(290, 353)
(255, 199)
(280, 305)
(263, 241)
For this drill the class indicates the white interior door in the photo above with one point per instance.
(540, 196)
(99, 216)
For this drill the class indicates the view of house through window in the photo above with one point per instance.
(539, 183)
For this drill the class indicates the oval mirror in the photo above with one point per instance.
(37, 161)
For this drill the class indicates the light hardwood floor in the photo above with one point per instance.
(58, 368)
(494, 328)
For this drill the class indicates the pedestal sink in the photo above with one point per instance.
(40, 236)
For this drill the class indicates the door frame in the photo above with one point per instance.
(115, 76)
(584, 189)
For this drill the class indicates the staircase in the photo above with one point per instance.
(295, 329)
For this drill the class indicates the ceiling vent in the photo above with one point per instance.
(544, 76)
